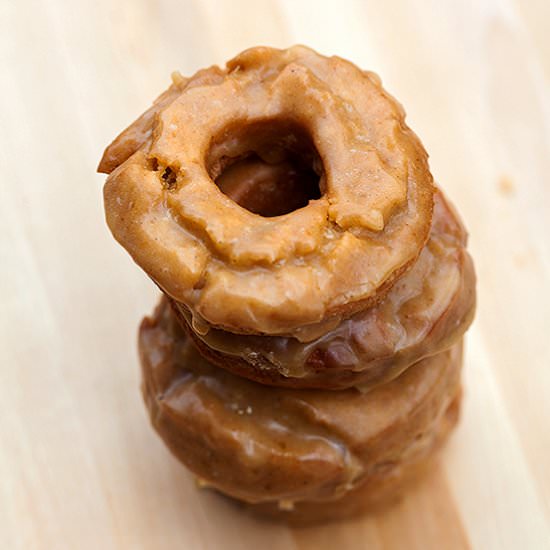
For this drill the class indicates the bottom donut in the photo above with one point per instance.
(304, 456)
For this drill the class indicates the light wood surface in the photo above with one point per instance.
(80, 466)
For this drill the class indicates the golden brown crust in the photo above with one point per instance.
(270, 445)
(250, 274)
(427, 311)
(374, 496)
(138, 133)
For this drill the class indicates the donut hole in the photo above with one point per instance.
(269, 167)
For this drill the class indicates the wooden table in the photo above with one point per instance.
(80, 466)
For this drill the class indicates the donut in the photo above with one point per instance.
(297, 273)
(426, 311)
(300, 455)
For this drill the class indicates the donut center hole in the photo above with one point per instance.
(270, 168)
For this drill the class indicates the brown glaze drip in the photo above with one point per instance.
(375, 493)
(427, 310)
(268, 444)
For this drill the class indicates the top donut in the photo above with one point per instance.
(297, 273)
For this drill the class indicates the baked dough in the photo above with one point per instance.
(298, 273)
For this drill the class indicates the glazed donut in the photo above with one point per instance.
(298, 273)
(426, 311)
(288, 215)
(304, 455)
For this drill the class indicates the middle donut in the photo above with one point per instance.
(425, 312)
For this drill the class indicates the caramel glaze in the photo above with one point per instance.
(297, 450)
(282, 275)
(426, 311)
(377, 493)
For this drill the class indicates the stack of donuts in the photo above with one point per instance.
(305, 356)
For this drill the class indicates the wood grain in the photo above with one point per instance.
(79, 465)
